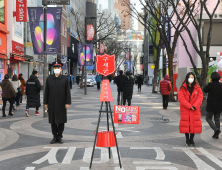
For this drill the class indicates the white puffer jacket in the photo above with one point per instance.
(16, 84)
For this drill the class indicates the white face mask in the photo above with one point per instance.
(57, 71)
(190, 80)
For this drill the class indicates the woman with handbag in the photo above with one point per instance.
(16, 85)
(23, 85)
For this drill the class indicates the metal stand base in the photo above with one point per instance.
(107, 111)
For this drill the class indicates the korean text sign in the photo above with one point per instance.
(126, 114)
(21, 10)
(106, 94)
(36, 18)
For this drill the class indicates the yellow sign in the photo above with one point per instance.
(29, 44)
(152, 66)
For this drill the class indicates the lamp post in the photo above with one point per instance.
(85, 88)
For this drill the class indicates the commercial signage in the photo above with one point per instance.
(101, 48)
(105, 64)
(90, 32)
(127, 55)
(58, 2)
(126, 114)
(29, 44)
(21, 10)
(68, 27)
(36, 18)
(17, 48)
(89, 54)
(2, 11)
(64, 60)
(106, 94)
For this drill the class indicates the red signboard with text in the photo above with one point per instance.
(105, 64)
(126, 114)
(21, 10)
(17, 48)
(106, 94)
(90, 32)
(127, 56)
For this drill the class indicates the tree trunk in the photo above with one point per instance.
(81, 83)
(156, 71)
(170, 65)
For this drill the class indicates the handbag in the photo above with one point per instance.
(19, 89)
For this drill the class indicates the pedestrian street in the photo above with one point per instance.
(152, 144)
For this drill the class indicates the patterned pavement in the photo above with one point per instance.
(153, 144)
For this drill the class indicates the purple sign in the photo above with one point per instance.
(36, 19)
(129, 66)
(167, 31)
(81, 54)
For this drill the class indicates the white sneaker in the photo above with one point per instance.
(27, 113)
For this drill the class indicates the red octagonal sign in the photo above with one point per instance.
(105, 64)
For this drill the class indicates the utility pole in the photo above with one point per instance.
(85, 88)
(45, 69)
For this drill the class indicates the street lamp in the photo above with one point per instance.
(85, 88)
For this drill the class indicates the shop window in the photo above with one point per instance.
(1, 64)
(13, 69)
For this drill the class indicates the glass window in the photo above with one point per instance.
(65, 31)
(1, 64)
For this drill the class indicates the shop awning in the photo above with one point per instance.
(3, 56)
(16, 57)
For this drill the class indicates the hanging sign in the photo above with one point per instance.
(81, 54)
(127, 55)
(126, 114)
(90, 32)
(106, 94)
(101, 48)
(21, 10)
(105, 64)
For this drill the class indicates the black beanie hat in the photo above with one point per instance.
(34, 72)
(6, 76)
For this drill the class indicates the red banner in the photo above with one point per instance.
(21, 10)
(101, 48)
(106, 94)
(105, 64)
(126, 114)
(17, 48)
(127, 56)
(90, 32)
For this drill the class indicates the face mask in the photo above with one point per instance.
(57, 71)
(37, 76)
(190, 80)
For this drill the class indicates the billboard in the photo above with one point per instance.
(2, 11)
(89, 54)
(36, 18)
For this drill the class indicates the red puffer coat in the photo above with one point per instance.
(190, 120)
(165, 86)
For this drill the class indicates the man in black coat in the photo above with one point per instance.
(128, 83)
(140, 82)
(214, 103)
(119, 82)
(57, 100)
(33, 88)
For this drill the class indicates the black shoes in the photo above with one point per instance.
(192, 143)
(54, 140)
(188, 142)
(57, 140)
(165, 108)
(10, 114)
(216, 134)
(3, 115)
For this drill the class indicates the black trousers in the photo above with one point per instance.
(129, 102)
(4, 105)
(98, 85)
(189, 136)
(70, 85)
(57, 130)
(139, 87)
(16, 99)
(21, 97)
(165, 101)
(215, 126)
(120, 98)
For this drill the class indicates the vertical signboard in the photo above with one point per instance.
(2, 11)
(21, 10)
(81, 54)
(68, 27)
(36, 18)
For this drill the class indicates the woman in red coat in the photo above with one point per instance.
(190, 97)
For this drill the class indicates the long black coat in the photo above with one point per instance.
(33, 88)
(57, 95)
(140, 80)
(214, 100)
(119, 82)
(128, 83)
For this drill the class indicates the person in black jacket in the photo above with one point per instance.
(128, 83)
(119, 82)
(214, 103)
(140, 82)
(57, 100)
(33, 88)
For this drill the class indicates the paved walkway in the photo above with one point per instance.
(153, 144)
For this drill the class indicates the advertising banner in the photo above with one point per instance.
(68, 27)
(101, 48)
(18, 28)
(127, 65)
(21, 10)
(81, 54)
(17, 48)
(64, 60)
(127, 55)
(90, 32)
(2, 11)
(36, 19)
(126, 114)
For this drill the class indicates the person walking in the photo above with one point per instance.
(57, 100)
(8, 93)
(165, 88)
(77, 79)
(71, 79)
(33, 88)
(190, 97)
(23, 84)
(119, 82)
(17, 87)
(128, 83)
(214, 103)
(98, 81)
(139, 82)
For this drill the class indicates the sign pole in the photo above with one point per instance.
(107, 114)
(45, 69)
(85, 88)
